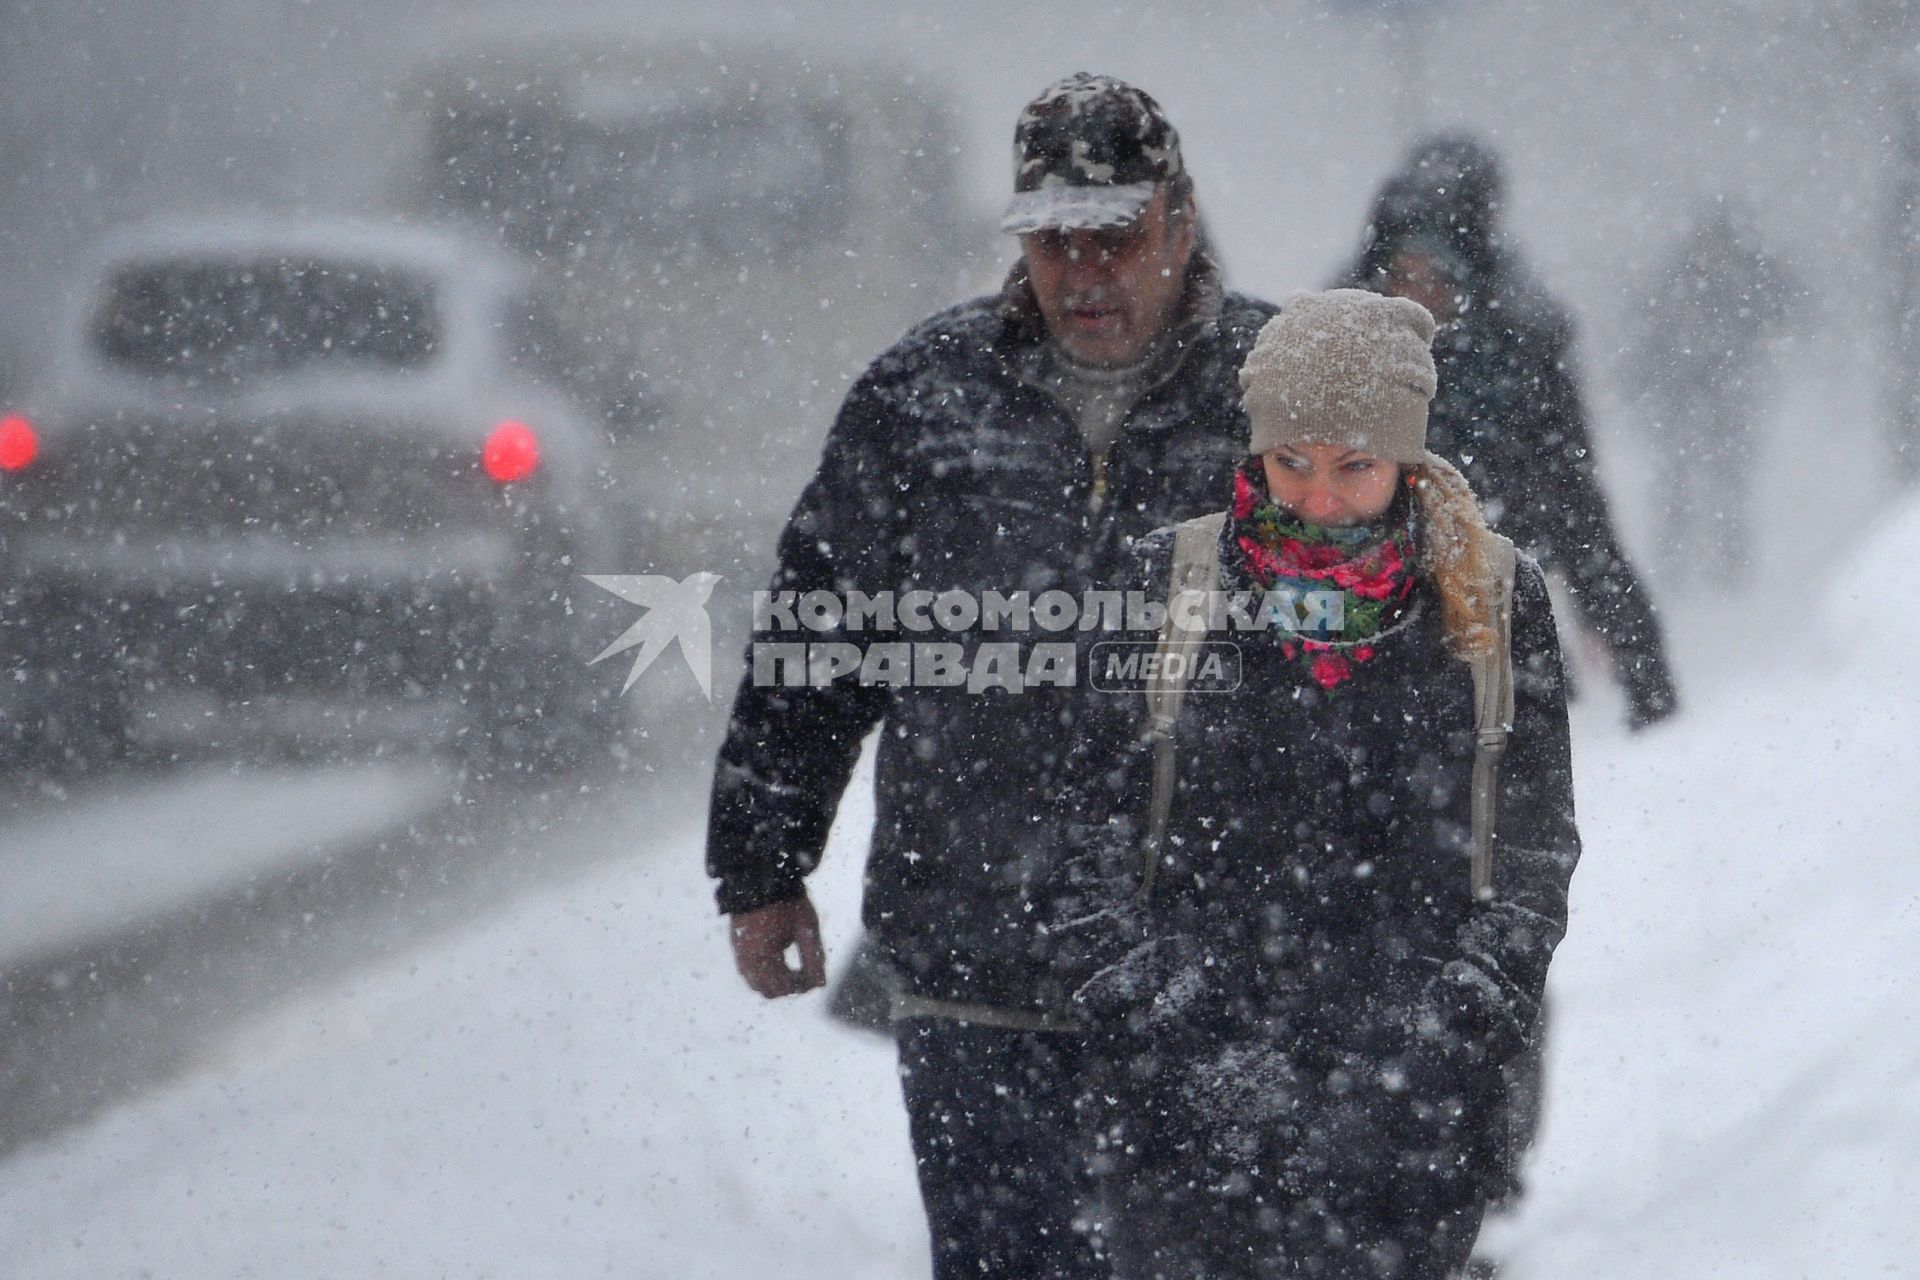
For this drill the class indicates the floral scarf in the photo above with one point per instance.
(1370, 567)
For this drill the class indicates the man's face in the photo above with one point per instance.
(1412, 274)
(1106, 295)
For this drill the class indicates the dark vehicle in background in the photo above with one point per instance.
(734, 233)
(306, 481)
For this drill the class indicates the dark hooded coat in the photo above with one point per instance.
(951, 465)
(1509, 412)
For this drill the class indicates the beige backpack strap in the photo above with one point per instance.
(1196, 569)
(1493, 711)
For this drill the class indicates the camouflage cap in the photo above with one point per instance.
(1088, 153)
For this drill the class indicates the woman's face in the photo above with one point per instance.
(1330, 484)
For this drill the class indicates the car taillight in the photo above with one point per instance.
(18, 443)
(511, 453)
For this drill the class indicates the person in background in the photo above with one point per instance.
(1704, 375)
(1509, 411)
(1299, 1003)
(1014, 443)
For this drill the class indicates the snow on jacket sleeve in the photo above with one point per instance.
(789, 751)
(1489, 994)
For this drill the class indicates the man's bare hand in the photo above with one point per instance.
(760, 942)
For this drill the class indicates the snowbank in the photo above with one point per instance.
(1735, 1071)
(1872, 609)
(1735, 1066)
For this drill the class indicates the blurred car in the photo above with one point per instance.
(747, 226)
(311, 472)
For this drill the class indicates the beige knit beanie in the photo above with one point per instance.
(1345, 367)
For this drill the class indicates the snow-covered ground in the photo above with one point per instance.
(79, 869)
(1735, 1069)
(580, 1086)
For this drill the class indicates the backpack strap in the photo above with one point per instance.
(1196, 568)
(1493, 711)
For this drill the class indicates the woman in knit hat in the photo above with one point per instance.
(1299, 988)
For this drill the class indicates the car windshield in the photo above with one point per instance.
(229, 319)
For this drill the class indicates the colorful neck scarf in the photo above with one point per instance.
(1330, 591)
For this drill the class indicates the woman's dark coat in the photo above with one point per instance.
(1311, 998)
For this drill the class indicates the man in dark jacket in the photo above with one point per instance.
(1509, 412)
(1011, 444)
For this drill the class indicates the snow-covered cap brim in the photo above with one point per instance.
(1059, 207)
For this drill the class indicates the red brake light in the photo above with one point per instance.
(18, 443)
(511, 453)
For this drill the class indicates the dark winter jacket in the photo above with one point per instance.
(1509, 412)
(1310, 981)
(952, 466)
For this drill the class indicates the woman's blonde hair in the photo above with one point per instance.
(1453, 554)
